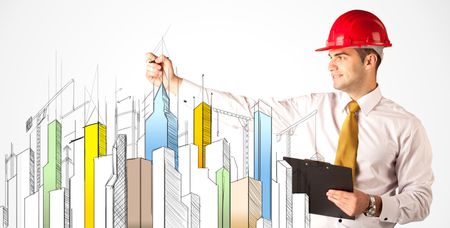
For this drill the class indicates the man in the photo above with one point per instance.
(386, 147)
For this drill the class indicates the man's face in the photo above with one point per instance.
(346, 69)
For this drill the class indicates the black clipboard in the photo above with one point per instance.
(315, 178)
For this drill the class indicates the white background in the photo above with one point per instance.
(255, 48)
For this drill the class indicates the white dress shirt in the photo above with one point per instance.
(394, 153)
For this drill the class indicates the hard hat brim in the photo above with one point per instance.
(324, 49)
(351, 46)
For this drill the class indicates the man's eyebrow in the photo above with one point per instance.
(337, 54)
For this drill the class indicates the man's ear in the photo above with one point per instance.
(371, 61)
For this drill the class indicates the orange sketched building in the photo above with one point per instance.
(139, 180)
(245, 202)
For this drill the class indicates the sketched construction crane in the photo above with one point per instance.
(39, 117)
(289, 131)
(132, 113)
(243, 120)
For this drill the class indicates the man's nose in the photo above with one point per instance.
(332, 65)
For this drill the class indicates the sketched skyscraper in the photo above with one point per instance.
(120, 186)
(3, 217)
(19, 180)
(11, 190)
(263, 155)
(139, 193)
(161, 127)
(94, 147)
(52, 170)
(282, 204)
(218, 164)
(202, 131)
(168, 209)
(245, 202)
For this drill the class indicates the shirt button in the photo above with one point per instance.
(340, 220)
(385, 219)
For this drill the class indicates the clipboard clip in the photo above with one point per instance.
(317, 163)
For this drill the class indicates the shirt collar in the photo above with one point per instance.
(366, 102)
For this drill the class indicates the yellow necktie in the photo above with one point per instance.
(348, 140)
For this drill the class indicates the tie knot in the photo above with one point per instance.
(353, 106)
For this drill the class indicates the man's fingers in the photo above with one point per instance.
(155, 78)
(338, 203)
(154, 70)
(154, 67)
(150, 57)
(342, 205)
(160, 59)
(163, 59)
(334, 194)
(332, 199)
(166, 60)
(339, 194)
(349, 202)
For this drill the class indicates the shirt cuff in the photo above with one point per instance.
(390, 209)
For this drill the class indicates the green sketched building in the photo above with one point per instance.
(52, 170)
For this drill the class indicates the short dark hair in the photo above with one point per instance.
(363, 52)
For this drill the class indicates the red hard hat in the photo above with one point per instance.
(357, 28)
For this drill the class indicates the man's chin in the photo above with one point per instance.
(337, 87)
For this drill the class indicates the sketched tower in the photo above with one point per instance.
(94, 147)
(10, 214)
(202, 131)
(120, 186)
(161, 127)
(263, 154)
(52, 170)
(245, 202)
(169, 210)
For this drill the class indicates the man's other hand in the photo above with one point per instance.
(352, 203)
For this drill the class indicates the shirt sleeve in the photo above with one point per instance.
(415, 177)
(284, 112)
(240, 105)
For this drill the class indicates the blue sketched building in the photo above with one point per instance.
(161, 127)
(263, 158)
